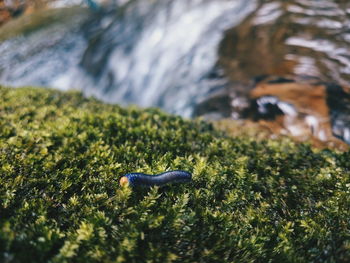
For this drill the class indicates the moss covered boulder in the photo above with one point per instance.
(61, 156)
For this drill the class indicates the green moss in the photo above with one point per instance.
(61, 156)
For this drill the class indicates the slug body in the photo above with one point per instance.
(147, 180)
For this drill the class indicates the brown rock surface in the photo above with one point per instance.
(312, 119)
(16, 8)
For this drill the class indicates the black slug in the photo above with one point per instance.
(147, 180)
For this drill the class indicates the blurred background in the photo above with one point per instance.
(283, 65)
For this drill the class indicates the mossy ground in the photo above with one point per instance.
(61, 156)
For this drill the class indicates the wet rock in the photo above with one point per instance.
(216, 106)
(288, 39)
(302, 109)
(7, 11)
(338, 101)
(285, 54)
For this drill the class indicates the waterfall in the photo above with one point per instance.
(150, 53)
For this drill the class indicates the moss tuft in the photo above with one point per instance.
(61, 156)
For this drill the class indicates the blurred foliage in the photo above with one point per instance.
(61, 156)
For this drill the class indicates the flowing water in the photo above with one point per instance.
(190, 57)
(151, 53)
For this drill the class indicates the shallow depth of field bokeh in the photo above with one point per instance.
(251, 97)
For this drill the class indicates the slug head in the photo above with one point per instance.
(124, 182)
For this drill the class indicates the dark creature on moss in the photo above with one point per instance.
(146, 180)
